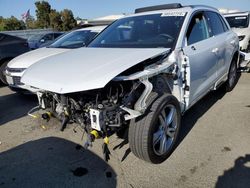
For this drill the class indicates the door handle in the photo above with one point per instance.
(193, 48)
(215, 50)
(232, 42)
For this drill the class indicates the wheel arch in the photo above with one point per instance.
(5, 59)
(235, 56)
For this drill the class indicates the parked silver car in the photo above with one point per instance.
(142, 73)
(17, 66)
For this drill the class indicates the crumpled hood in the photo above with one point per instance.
(27, 59)
(84, 68)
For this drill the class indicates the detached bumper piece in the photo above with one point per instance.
(244, 62)
(94, 134)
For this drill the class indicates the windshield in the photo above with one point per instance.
(75, 39)
(238, 21)
(147, 31)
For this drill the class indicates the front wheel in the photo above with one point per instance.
(153, 137)
(2, 72)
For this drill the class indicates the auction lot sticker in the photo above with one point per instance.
(165, 14)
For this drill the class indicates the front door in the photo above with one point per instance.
(200, 49)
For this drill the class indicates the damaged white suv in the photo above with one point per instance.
(142, 72)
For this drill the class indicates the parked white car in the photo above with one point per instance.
(17, 66)
(240, 24)
(142, 73)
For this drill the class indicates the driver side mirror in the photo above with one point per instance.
(42, 40)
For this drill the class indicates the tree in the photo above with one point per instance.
(55, 20)
(12, 23)
(31, 22)
(68, 21)
(43, 10)
(1, 23)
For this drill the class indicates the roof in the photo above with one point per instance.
(110, 17)
(94, 28)
(106, 20)
(182, 9)
(226, 11)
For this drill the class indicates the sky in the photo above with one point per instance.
(91, 9)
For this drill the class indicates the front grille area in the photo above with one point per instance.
(17, 80)
(15, 69)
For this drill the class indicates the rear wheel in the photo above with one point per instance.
(152, 137)
(2, 70)
(232, 76)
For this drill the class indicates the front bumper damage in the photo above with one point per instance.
(244, 61)
(98, 123)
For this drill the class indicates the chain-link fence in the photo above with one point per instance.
(27, 33)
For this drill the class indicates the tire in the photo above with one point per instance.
(20, 91)
(232, 76)
(146, 134)
(2, 69)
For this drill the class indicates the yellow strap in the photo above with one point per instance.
(95, 133)
(49, 114)
(106, 140)
(34, 116)
(43, 127)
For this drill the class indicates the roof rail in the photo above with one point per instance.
(158, 7)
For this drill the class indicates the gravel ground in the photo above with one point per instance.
(213, 150)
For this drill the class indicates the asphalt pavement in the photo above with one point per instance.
(213, 149)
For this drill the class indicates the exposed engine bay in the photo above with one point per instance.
(97, 109)
(100, 113)
(103, 112)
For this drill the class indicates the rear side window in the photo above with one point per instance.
(197, 30)
(224, 23)
(215, 24)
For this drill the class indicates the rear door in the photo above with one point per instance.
(200, 47)
(224, 40)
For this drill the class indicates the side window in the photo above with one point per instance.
(215, 23)
(48, 37)
(197, 30)
(57, 35)
(224, 23)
